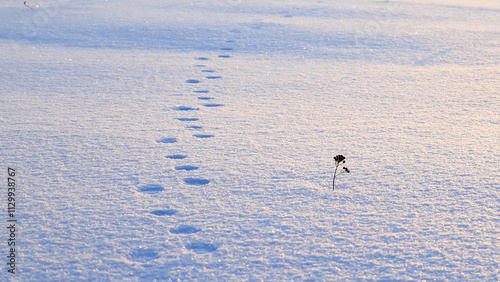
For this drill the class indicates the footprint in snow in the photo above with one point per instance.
(213, 105)
(196, 181)
(194, 127)
(226, 49)
(207, 71)
(214, 77)
(167, 140)
(143, 255)
(151, 188)
(184, 229)
(164, 212)
(176, 157)
(203, 135)
(205, 98)
(224, 56)
(186, 167)
(185, 108)
(201, 248)
(200, 91)
(188, 119)
(202, 58)
(192, 81)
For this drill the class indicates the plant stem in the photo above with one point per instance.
(334, 175)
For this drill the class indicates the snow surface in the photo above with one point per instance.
(194, 140)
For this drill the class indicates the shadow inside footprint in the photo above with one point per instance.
(184, 229)
(188, 119)
(167, 140)
(200, 91)
(143, 255)
(192, 81)
(196, 181)
(224, 56)
(151, 188)
(186, 167)
(205, 98)
(214, 77)
(176, 157)
(194, 127)
(200, 247)
(202, 59)
(163, 212)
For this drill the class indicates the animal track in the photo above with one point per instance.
(213, 105)
(176, 157)
(167, 140)
(184, 229)
(164, 212)
(203, 135)
(196, 181)
(186, 167)
(144, 255)
(185, 108)
(200, 247)
(151, 188)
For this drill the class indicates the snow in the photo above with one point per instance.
(194, 140)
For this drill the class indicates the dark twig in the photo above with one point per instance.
(339, 159)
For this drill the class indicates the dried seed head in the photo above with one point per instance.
(339, 158)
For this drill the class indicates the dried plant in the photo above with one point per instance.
(339, 159)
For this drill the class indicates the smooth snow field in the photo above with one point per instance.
(194, 140)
